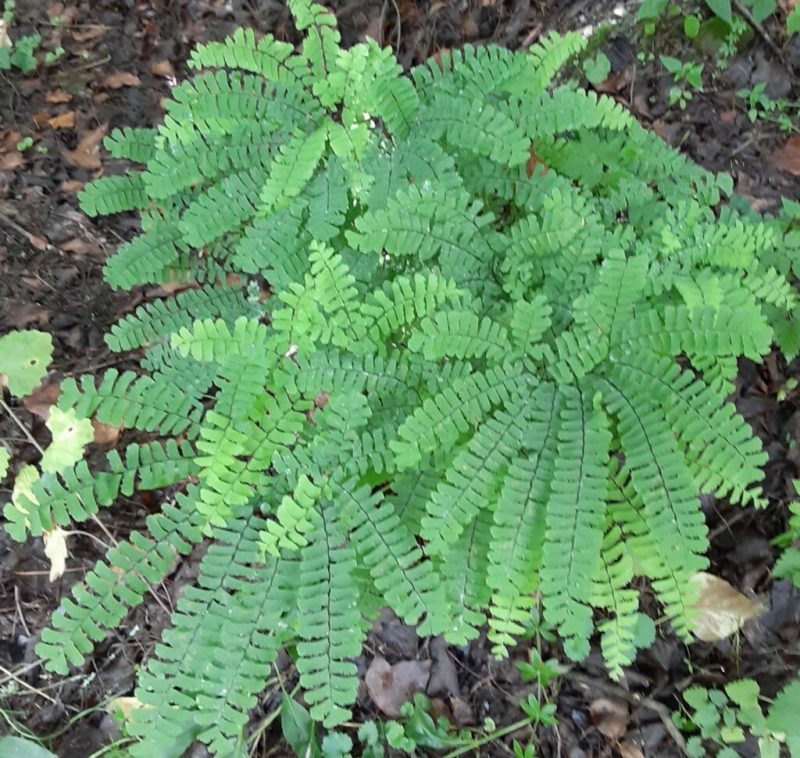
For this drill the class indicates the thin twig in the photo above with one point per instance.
(639, 701)
(7, 408)
(12, 675)
(8, 221)
(19, 610)
(744, 11)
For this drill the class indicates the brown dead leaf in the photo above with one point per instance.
(87, 152)
(163, 69)
(105, 435)
(57, 96)
(88, 33)
(25, 314)
(10, 161)
(534, 161)
(40, 119)
(391, 686)
(628, 749)
(40, 243)
(42, 399)
(610, 716)
(71, 185)
(63, 120)
(787, 158)
(79, 246)
(118, 79)
(720, 609)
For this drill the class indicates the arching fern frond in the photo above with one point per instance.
(113, 586)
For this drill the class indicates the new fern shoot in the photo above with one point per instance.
(457, 343)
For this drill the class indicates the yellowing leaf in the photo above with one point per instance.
(55, 548)
(24, 357)
(720, 609)
(23, 486)
(124, 706)
(70, 436)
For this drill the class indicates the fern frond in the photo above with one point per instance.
(724, 454)
(618, 633)
(401, 575)
(548, 55)
(147, 258)
(215, 658)
(112, 587)
(476, 127)
(160, 318)
(459, 334)
(125, 400)
(268, 57)
(330, 629)
(292, 168)
(518, 528)
(441, 420)
(76, 493)
(114, 194)
(661, 478)
(574, 519)
(328, 201)
(137, 145)
(473, 476)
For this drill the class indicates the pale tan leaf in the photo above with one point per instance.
(87, 152)
(63, 120)
(118, 79)
(610, 716)
(720, 609)
(55, 548)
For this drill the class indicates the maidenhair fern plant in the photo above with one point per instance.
(457, 343)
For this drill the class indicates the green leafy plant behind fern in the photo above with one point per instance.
(490, 370)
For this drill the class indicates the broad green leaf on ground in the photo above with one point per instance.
(24, 357)
(721, 8)
(22, 748)
(720, 610)
(793, 21)
(70, 436)
(23, 486)
(4, 459)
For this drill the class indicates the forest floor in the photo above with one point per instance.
(109, 63)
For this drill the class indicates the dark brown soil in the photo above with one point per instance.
(51, 258)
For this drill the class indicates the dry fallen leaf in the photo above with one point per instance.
(163, 69)
(63, 120)
(391, 686)
(10, 161)
(55, 548)
(57, 96)
(42, 399)
(628, 749)
(720, 609)
(89, 33)
(70, 186)
(787, 158)
(117, 79)
(105, 434)
(79, 246)
(87, 152)
(610, 716)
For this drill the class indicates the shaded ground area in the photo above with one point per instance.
(112, 63)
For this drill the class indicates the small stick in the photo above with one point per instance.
(744, 11)
(12, 675)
